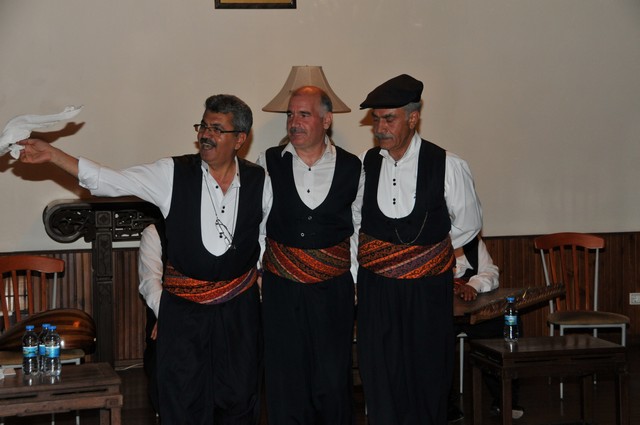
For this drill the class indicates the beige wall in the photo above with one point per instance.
(542, 97)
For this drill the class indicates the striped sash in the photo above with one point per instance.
(405, 261)
(206, 292)
(307, 265)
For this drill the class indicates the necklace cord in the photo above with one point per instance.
(222, 228)
(419, 231)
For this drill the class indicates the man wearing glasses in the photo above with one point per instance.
(209, 329)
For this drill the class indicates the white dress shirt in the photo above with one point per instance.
(487, 276)
(154, 183)
(397, 191)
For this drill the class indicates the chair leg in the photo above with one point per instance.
(461, 347)
(561, 383)
(77, 362)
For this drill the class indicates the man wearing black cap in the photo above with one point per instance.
(419, 204)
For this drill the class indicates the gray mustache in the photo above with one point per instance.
(381, 136)
(207, 142)
(295, 130)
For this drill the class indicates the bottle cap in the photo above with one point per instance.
(29, 327)
(510, 299)
(52, 327)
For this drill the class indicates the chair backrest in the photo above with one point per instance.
(27, 282)
(573, 260)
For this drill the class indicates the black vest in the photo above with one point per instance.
(185, 250)
(292, 223)
(429, 198)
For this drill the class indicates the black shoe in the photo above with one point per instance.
(454, 414)
(516, 411)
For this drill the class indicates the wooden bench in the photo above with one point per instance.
(558, 356)
(79, 387)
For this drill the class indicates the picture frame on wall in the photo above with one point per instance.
(255, 4)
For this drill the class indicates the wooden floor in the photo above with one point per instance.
(538, 397)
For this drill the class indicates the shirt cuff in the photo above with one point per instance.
(154, 304)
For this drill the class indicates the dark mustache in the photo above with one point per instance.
(208, 142)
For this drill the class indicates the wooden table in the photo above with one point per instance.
(80, 387)
(559, 356)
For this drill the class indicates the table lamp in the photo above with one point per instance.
(304, 76)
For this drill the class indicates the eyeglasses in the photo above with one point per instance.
(215, 129)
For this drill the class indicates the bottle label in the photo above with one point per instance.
(41, 349)
(52, 351)
(30, 351)
(510, 320)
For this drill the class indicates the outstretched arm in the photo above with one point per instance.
(39, 152)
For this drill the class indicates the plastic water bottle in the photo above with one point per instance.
(52, 365)
(511, 331)
(30, 352)
(41, 352)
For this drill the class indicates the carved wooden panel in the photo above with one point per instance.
(100, 221)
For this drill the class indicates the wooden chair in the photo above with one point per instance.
(28, 296)
(573, 260)
(25, 285)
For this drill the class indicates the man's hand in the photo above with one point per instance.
(38, 152)
(35, 151)
(466, 292)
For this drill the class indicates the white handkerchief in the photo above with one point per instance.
(20, 128)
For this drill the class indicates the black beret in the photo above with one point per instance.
(395, 93)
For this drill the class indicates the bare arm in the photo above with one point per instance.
(39, 152)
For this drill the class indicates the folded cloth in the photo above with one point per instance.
(20, 128)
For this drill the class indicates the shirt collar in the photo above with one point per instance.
(236, 179)
(411, 152)
(329, 151)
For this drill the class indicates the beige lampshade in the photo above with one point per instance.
(304, 76)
